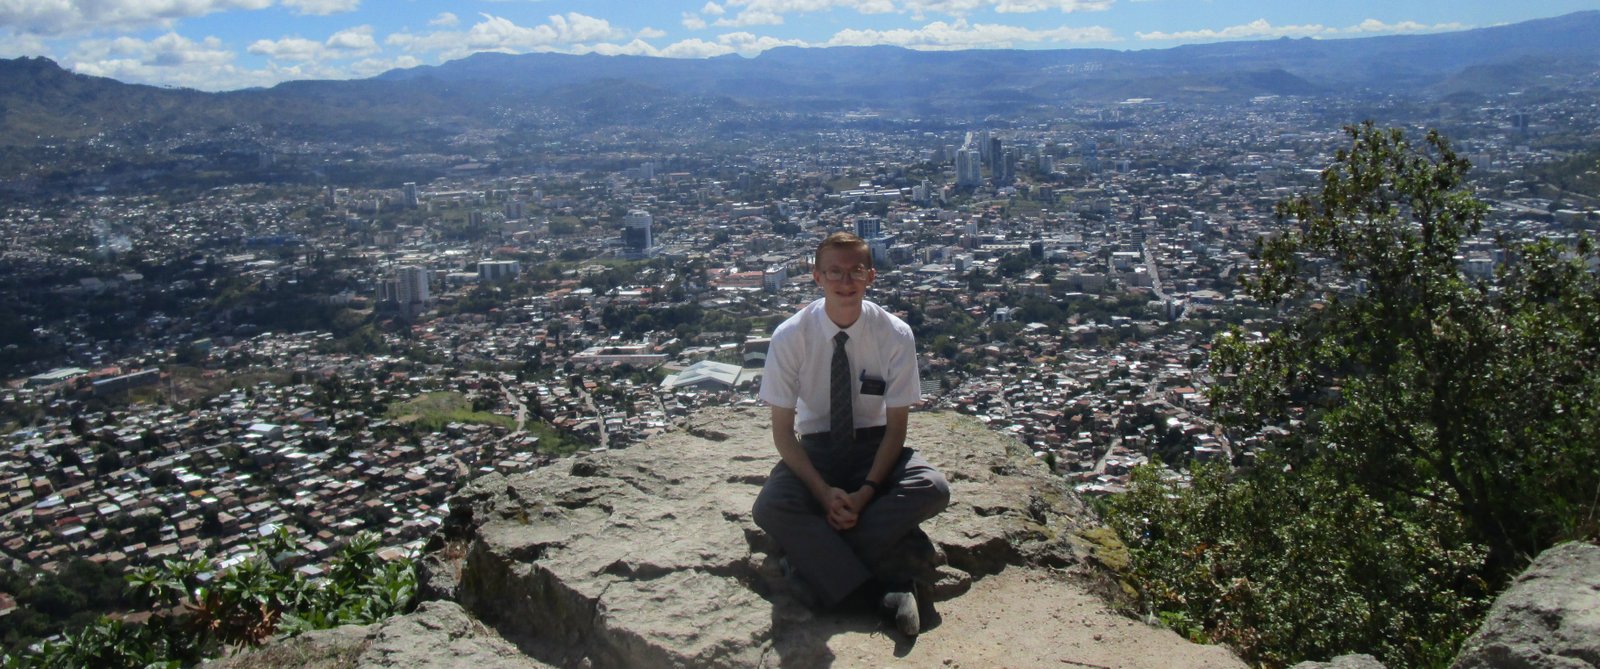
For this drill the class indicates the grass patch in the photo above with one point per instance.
(552, 441)
(433, 411)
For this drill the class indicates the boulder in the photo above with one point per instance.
(438, 635)
(1344, 662)
(648, 556)
(1548, 618)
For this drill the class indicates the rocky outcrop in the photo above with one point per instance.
(1548, 618)
(648, 556)
(438, 635)
(1344, 662)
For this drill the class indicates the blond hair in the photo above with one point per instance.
(843, 241)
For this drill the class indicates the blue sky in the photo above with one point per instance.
(230, 44)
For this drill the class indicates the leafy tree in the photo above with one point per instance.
(1443, 429)
(1423, 385)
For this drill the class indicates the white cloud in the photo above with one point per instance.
(16, 46)
(293, 49)
(444, 19)
(635, 48)
(742, 43)
(353, 42)
(650, 33)
(571, 32)
(693, 22)
(1254, 29)
(1374, 26)
(960, 35)
(343, 45)
(322, 7)
(1064, 6)
(171, 60)
(1261, 29)
(771, 12)
(61, 17)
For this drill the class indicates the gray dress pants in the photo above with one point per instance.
(836, 563)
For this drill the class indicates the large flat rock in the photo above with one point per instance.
(648, 556)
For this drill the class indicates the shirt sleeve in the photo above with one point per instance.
(905, 379)
(780, 377)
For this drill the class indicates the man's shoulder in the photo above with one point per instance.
(796, 322)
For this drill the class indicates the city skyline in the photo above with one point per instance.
(232, 44)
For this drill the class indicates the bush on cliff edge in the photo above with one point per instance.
(1443, 428)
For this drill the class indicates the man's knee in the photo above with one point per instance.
(939, 493)
(763, 510)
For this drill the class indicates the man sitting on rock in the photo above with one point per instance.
(843, 372)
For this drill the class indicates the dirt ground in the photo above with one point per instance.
(1019, 619)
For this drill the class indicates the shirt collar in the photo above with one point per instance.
(830, 328)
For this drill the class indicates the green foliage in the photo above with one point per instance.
(1444, 429)
(432, 411)
(198, 611)
(1427, 385)
(1289, 564)
(50, 603)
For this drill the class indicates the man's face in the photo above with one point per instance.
(846, 264)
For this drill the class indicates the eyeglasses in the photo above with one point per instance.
(857, 274)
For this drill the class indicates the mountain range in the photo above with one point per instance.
(42, 104)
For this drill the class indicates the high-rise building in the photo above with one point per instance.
(995, 155)
(495, 270)
(968, 170)
(410, 189)
(869, 227)
(411, 285)
(636, 237)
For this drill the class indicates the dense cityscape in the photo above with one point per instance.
(188, 372)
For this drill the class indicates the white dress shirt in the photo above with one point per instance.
(799, 365)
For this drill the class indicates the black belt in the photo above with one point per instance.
(874, 433)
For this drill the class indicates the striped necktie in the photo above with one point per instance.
(841, 411)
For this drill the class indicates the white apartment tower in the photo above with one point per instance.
(411, 285)
(969, 168)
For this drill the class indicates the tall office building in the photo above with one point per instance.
(869, 227)
(636, 236)
(996, 156)
(411, 285)
(968, 170)
(410, 189)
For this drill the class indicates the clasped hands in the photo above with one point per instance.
(844, 508)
